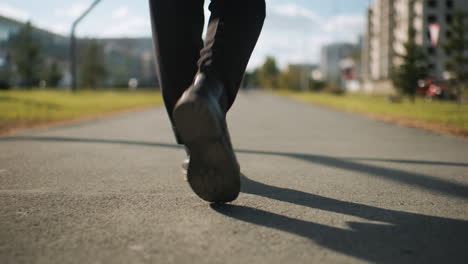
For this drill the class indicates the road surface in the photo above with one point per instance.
(319, 186)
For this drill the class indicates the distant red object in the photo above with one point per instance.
(348, 74)
(423, 86)
(432, 89)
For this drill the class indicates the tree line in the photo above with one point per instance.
(28, 63)
(294, 77)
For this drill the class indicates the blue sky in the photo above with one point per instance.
(294, 29)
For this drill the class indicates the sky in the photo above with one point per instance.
(294, 30)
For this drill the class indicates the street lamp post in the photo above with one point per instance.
(73, 61)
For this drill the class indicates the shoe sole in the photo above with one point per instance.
(213, 172)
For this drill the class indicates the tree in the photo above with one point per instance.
(268, 74)
(93, 69)
(27, 57)
(316, 85)
(292, 78)
(456, 48)
(53, 75)
(5, 73)
(413, 68)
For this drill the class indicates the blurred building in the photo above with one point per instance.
(125, 58)
(330, 57)
(55, 47)
(129, 58)
(51, 41)
(388, 22)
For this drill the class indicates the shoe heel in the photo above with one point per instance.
(196, 121)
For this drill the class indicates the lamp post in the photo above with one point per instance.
(73, 62)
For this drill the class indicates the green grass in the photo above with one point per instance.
(443, 113)
(47, 105)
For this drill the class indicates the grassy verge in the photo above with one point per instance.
(28, 108)
(433, 115)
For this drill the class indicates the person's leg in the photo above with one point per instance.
(233, 31)
(199, 115)
(177, 37)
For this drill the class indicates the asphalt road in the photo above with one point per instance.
(319, 186)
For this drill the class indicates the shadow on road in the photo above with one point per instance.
(417, 162)
(418, 180)
(398, 237)
(393, 237)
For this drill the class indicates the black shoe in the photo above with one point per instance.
(213, 172)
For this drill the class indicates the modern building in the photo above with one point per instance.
(330, 58)
(388, 22)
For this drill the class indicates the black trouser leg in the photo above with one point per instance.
(177, 37)
(233, 31)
